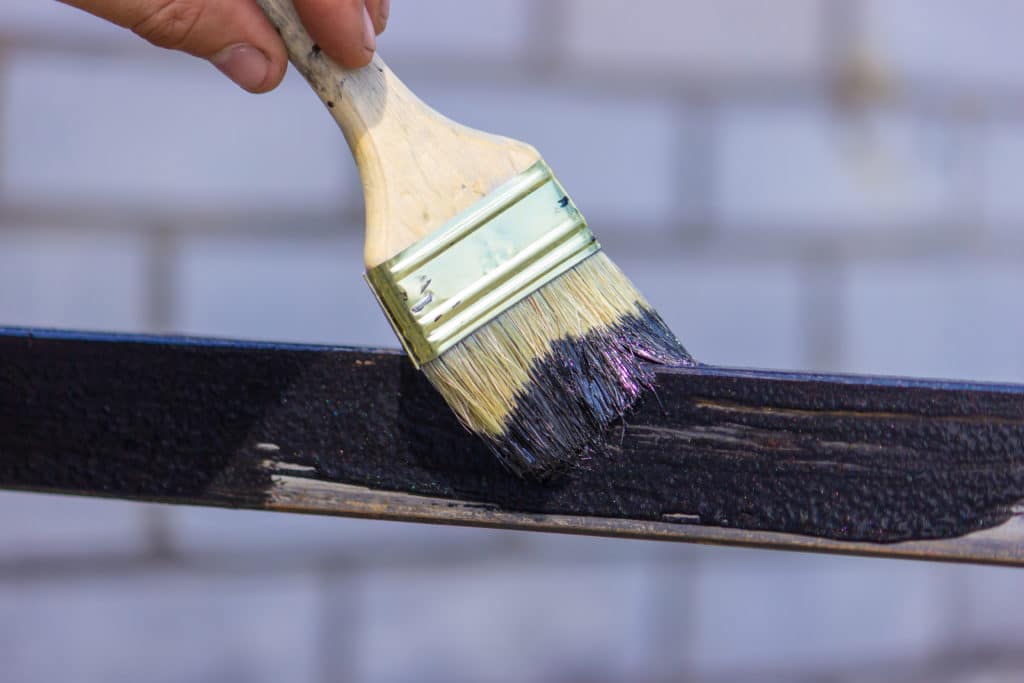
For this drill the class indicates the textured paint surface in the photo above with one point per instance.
(841, 458)
(582, 386)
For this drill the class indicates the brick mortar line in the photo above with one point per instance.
(695, 145)
(841, 27)
(355, 562)
(122, 218)
(917, 96)
(545, 52)
(762, 243)
(335, 651)
(4, 73)
(160, 284)
(823, 311)
(947, 664)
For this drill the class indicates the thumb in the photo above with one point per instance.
(234, 35)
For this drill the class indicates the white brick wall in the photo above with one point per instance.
(808, 612)
(941, 318)
(165, 131)
(972, 45)
(1002, 198)
(53, 20)
(72, 279)
(498, 29)
(798, 169)
(40, 526)
(993, 608)
(703, 142)
(283, 289)
(504, 623)
(726, 314)
(705, 38)
(160, 627)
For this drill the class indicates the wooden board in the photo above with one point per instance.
(874, 466)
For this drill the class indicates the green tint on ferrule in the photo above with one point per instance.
(506, 246)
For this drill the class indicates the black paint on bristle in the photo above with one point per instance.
(580, 387)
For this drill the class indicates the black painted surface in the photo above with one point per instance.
(582, 386)
(844, 458)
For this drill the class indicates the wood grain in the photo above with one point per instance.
(419, 169)
(876, 466)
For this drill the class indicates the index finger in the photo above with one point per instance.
(340, 28)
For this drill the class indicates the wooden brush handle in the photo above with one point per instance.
(418, 168)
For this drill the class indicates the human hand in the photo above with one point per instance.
(236, 37)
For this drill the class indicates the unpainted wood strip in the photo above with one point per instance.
(1002, 544)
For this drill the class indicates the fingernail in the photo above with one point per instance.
(369, 36)
(243, 64)
(385, 11)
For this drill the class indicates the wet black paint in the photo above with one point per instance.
(879, 460)
(580, 387)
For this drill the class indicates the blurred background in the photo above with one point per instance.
(827, 185)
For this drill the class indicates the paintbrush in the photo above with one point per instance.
(487, 271)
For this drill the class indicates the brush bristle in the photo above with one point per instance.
(542, 380)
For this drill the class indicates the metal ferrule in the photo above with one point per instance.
(518, 238)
